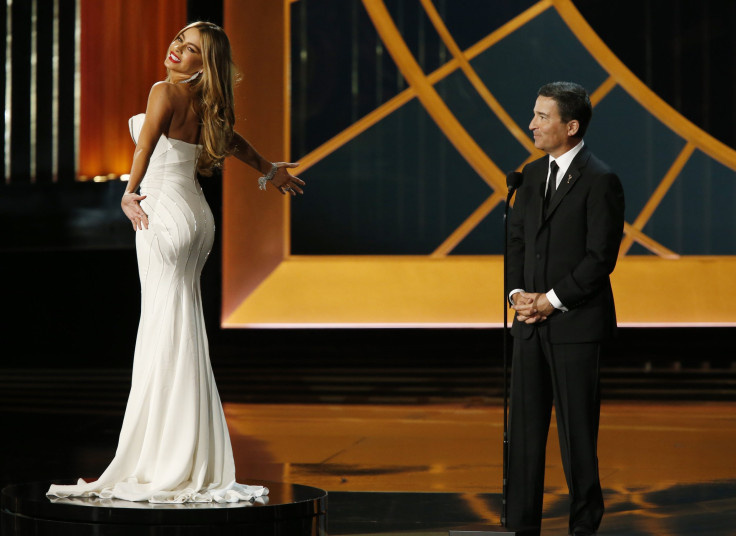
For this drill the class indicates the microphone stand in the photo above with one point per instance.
(505, 355)
(503, 530)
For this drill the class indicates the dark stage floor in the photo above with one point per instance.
(666, 468)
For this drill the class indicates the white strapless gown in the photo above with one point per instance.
(174, 444)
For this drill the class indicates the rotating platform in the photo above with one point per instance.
(288, 509)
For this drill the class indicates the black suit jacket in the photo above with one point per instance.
(573, 249)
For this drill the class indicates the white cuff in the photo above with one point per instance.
(554, 300)
(514, 292)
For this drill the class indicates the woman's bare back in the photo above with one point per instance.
(185, 122)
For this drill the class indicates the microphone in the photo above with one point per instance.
(513, 181)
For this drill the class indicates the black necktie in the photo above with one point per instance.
(552, 184)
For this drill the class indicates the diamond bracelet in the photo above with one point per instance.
(267, 177)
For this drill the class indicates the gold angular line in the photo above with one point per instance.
(507, 29)
(429, 98)
(655, 247)
(696, 138)
(659, 193)
(491, 101)
(531, 158)
(638, 90)
(405, 96)
(603, 90)
(468, 225)
(354, 130)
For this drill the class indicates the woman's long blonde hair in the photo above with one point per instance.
(213, 100)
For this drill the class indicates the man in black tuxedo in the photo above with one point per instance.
(564, 235)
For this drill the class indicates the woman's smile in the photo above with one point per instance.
(184, 57)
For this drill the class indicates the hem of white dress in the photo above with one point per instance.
(230, 494)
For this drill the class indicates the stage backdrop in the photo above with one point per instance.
(401, 224)
(123, 46)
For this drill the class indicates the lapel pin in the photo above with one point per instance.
(569, 178)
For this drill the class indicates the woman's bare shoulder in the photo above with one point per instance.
(163, 89)
(168, 95)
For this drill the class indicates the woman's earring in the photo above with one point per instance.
(191, 78)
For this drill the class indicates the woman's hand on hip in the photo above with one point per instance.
(131, 204)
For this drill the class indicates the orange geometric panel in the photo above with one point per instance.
(438, 289)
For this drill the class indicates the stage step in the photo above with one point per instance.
(106, 390)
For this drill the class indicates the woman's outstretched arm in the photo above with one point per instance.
(275, 171)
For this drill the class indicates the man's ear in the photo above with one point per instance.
(573, 127)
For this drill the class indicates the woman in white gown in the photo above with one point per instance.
(174, 444)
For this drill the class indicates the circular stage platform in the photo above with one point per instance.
(288, 509)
